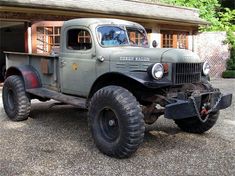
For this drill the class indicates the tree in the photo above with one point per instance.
(221, 15)
(207, 9)
(228, 4)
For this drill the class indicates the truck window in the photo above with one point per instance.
(79, 39)
(137, 36)
(113, 36)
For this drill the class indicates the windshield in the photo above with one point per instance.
(122, 36)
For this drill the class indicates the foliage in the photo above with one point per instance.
(228, 74)
(207, 9)
(228, 3)
(227, 20)
(221, 19)
(231, 41)
(227, 24)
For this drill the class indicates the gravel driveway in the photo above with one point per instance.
(56, 141)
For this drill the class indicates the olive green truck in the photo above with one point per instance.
(107, 67)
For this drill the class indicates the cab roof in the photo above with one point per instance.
(98, 21)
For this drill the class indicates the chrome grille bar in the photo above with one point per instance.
(186, 72)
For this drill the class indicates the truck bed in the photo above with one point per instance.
(47, 66)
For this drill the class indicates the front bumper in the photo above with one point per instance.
(181, 109)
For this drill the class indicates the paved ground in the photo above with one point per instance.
(56, 141)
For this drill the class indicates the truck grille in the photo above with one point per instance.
(186, 72)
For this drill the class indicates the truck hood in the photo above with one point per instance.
(153, 55)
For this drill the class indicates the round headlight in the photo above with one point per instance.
(206, 68)
(156, 71)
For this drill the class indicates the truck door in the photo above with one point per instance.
(77, 62)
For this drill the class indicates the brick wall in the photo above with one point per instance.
(209, 46)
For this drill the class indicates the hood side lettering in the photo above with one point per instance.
(135, 59)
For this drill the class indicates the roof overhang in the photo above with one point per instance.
(70, 8)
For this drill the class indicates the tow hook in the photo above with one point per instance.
(205, 108)
(204, 111)
(204, 114)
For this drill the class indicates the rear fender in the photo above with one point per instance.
(29, 74)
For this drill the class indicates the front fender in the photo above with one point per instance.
(145, 80)
(131, 80)
(29, 74)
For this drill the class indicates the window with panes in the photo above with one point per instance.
(174, 39)
(48, 37)
(78, 39)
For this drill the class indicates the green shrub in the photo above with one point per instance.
(231, 60)
(230, 65)
(228, 74)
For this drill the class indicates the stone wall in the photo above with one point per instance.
(209, 46)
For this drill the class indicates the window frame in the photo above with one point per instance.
(123, 25)
(78, 28)
(51, 35)
(97, 35)
(175, 40)
(46, 24)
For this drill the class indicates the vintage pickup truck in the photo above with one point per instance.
(107, 67)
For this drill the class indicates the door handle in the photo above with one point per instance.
(62, 63)
(100, 58)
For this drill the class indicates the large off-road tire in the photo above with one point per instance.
(194, 125)
(116, 121)
(15, 101)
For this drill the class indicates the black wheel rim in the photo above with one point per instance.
(11, 99)
(109, 126)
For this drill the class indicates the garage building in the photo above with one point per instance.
(34, 26)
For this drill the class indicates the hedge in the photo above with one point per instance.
(228, 74)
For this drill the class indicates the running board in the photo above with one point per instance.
(46, 93)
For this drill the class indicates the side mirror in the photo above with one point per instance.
(154, 43)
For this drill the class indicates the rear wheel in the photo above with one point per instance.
(15, 101)
(194, 125)
(116, 121)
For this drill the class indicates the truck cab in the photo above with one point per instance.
(107, 67)
(92, 47)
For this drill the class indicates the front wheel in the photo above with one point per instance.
(15, 101)
(194, 125)
(116, 121)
